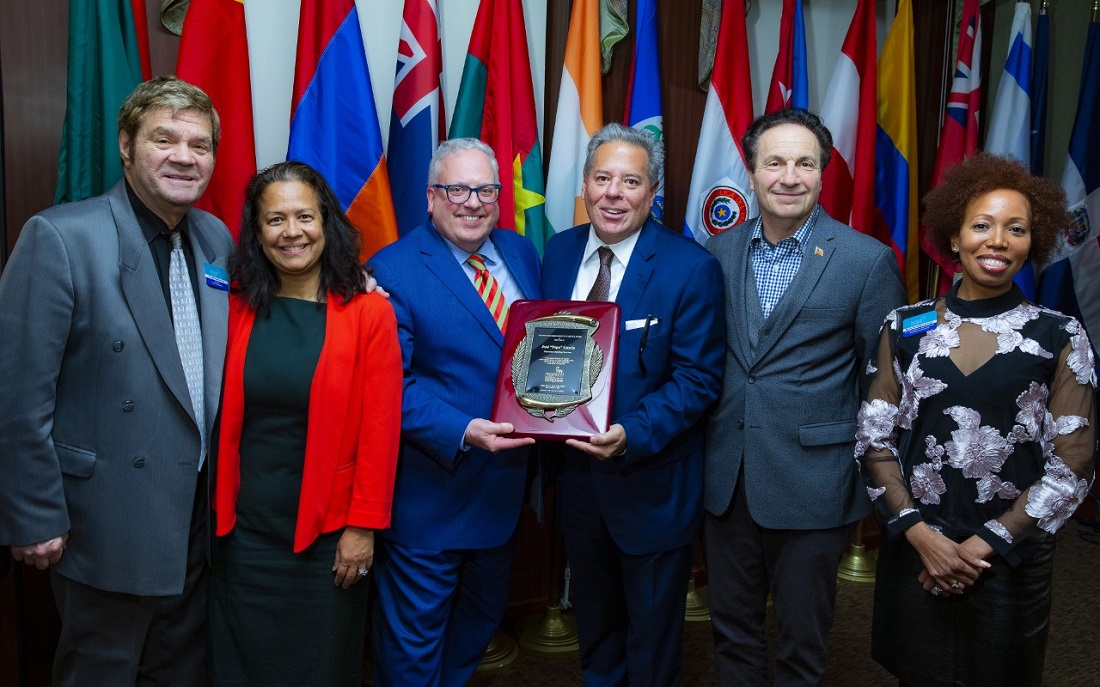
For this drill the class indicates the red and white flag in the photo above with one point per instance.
(849, 111)
(720, 196)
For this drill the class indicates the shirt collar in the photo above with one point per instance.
(799, 237)
(622, 249)
(151, 225)
(487, 250)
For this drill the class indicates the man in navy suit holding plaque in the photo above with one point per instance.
(630, 499)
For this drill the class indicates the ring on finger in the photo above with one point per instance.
(363, 572)
(935, 590)
(956, 586)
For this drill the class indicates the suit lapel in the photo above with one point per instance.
(213, 313)
(815, 257)
(441, 262)
(145, 297)
(638, 272)
(736, 279)
(511, 257)
(559, 282)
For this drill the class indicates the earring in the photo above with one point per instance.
(954, 249)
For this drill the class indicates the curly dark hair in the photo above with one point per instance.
(252, 273)
(790, 115)
(945, 206)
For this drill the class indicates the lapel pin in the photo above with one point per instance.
(818, 252)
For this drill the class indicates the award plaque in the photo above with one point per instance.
(557, 368)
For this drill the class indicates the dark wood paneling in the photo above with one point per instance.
(33, 40)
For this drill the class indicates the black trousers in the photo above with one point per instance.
(746, 562)
(109, 638)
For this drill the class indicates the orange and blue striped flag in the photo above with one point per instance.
(334, 122)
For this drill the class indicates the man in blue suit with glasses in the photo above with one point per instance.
(442, 568)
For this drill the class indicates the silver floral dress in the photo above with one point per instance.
(979, 420)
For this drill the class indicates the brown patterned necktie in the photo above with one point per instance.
(601, 290)
(488, 289)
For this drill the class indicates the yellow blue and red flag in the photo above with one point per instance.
(334, 122)
(896, 148)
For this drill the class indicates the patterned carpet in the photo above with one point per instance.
(1073, 659)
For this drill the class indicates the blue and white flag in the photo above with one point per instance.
(1010, 124)
(1074, 271)
(643, 104)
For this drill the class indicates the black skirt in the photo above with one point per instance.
(993, 635)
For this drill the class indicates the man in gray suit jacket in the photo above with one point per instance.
(102, 445)
(805, 298)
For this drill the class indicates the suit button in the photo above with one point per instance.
(127, 405)
(740, 424)
(752, 380)
(118, 346)
(139, 462)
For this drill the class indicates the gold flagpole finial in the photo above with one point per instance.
(1044, 6)
(1095, 11)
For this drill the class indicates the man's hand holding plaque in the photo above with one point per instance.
(557, 370)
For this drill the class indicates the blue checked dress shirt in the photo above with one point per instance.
(774, 267)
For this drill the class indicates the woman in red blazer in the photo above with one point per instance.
(307, 448)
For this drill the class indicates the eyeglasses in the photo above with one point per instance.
(460, 193)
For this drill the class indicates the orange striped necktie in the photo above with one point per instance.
(488, 289)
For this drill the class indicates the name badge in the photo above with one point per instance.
(918, 324)
(216, 277)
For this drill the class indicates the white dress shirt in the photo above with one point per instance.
(590, 265)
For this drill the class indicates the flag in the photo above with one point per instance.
(896, 148)
(334, 124)
(849, 112)
(213, 55)
(613, 28)
(496, 103)
(104, 67)
(1040, 68)
(720, 196)
(1074, 272)
(790, 78)
(417, 121)
(141, 25)
(959, 134)
(643, 101)
(1009, 130)
(580, 114)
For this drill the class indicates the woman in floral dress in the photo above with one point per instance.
(976, 441)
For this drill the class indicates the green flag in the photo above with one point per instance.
(104, 67)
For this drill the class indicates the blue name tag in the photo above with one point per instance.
(918, 324)
(216, 277)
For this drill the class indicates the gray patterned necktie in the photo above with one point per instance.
(601, 289)
(185, 319)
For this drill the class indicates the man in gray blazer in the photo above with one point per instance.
(805, 298)
(102, 444)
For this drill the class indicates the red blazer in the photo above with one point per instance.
(354, 422)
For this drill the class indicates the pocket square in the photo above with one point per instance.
(638, 324)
